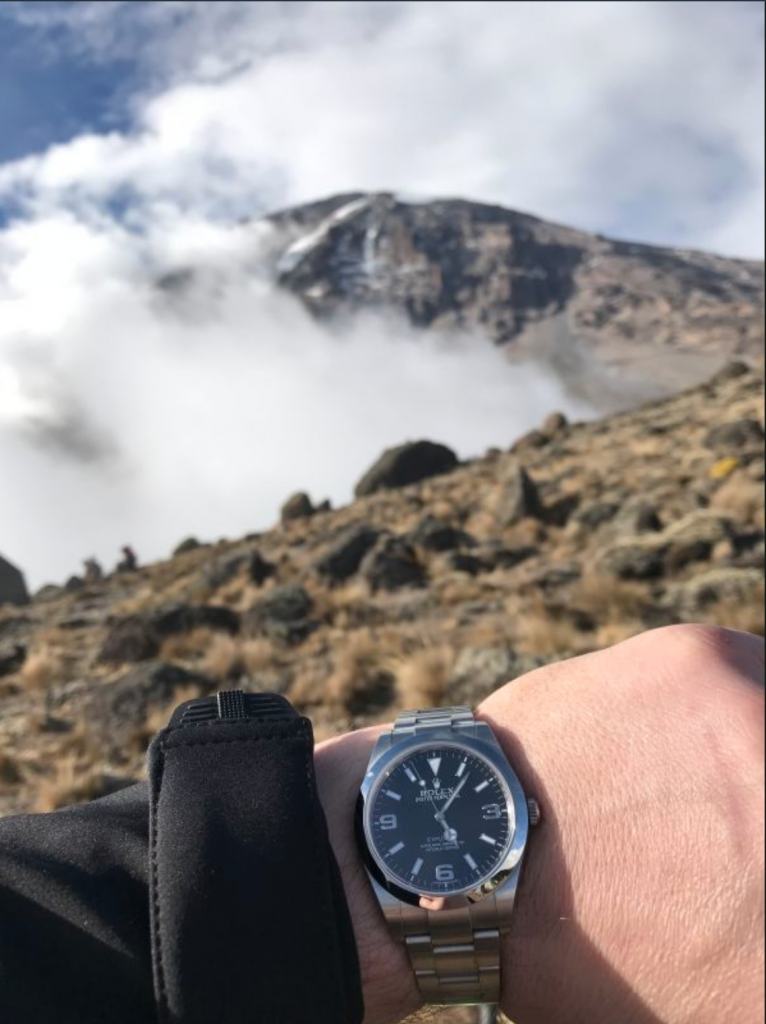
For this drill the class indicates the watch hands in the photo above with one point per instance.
(449, 833)
(455, 795)
(441, 816)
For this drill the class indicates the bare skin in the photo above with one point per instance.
(643, 897)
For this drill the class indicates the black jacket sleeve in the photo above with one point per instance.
(74, 914)
(104, 920)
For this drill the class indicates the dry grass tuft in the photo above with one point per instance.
(10, 772)
(189, 646)
(742, 499)
(613, 633)
(362, 677)
(141, 601)
(228, 657)
(72, 783)
(608, 599)
(748, 618)
(422, 679)
(309, 687)
(258, 655)
(41, 669)
(538, 632)
(158, 718)
(80, 743)
(222, 659)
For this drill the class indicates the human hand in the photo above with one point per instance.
(643, 897)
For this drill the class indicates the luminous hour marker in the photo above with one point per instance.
(471, 862)
(488, 839)
(393, 796)
(396, 849)
(461, 769)
(410, 774)
(435, 764)
(481, 786)
(416, 867)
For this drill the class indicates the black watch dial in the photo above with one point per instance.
(440, 821)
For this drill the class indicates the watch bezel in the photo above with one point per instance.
(514, 855)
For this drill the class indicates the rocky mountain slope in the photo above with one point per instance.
(438, 590)
(622, 322)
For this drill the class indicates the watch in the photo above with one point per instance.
(443, 823)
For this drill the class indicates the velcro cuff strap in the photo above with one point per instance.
(250, 923)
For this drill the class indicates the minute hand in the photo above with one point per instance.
(454, 796)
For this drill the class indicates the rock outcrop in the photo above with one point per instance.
(407, 464)
(13, 588)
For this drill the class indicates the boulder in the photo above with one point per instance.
(393, 565)
(555, 424)
(223, 571)
(347, 553)
(13, 628)
(284, 614)
(593, 516)
(694, 597)
(553, 577)
(530, 441)
(637, 516)
(434, 534)
(520, 499)
(297, 506)
(190, 544)
(730, 371)
(73, 584)
(175, 619)
(484, 668)
(737, 435)
(124, 705)
(496, 555)
(560, 511)
(478, 671)
(260, 569)
(131, 639)
(139, 637)
(633, 560)
(13, 588)
(694, 537)
(407, 464)
(461, 561)
(12, 657)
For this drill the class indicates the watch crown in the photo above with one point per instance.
(535, 813)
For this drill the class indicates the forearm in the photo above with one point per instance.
(642, 898)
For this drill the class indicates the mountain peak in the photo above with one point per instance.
(615, 317)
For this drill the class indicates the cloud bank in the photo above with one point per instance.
(151, 415)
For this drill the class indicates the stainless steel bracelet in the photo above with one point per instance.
(455, 953)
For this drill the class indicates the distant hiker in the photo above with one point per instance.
(93, 571)
(129, 561)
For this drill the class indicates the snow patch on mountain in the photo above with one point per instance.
(308, 243)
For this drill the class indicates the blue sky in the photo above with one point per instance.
(49, 95)
(638, 119)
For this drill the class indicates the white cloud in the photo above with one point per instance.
(207, 417)
(638, 118)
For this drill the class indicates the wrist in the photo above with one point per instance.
(390, 992)
(642, 895)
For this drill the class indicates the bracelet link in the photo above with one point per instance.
(455, 954)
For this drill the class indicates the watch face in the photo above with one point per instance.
(440, 820)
